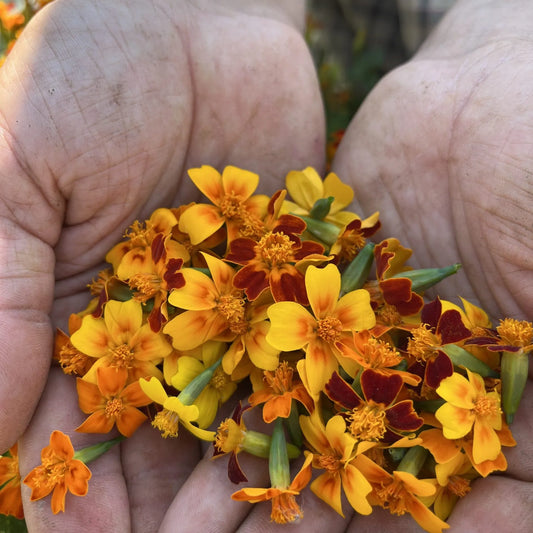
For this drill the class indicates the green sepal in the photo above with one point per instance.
(356, 273)
(425, 278)
(428, 406)
(90, 453)
(514, 373)
(321, 208)
(278, 459)
(189, 394)
(293, 425)
(413, 460)
(258, 444)
(461, 357)
(324, 231)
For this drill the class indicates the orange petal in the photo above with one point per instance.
(129, 420)
(442, 449)
(98, 422)
(111, 380)
(135, 261)
(302, 478)
(339, 440)
(77, 477)
(261, 353)
(89, 396)
(323, 286)
(198, 293)
(58, 498)
(61, 445)
(315, 432)
(425, 518)
(277, 406)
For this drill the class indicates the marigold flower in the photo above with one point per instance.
(274, 261)
(59, 472)
(469, 406)
(400, 493)
(279, 392)
(334, 450)
(306, 187)
(353, 238)
(10, 495)
(379, 416)
(293, 327)
(121, 340)
(111, 402)
(233, 203)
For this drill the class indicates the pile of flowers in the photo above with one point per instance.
(286, 308)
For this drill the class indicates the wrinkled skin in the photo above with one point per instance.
(98, 127)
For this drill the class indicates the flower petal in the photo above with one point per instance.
(355, 312)
(291, 326)
(92, 338)
(328, 488)
(123, 319)
(486, 445)
(456, 421)
(198, 293)
(356, 487)
(320, 365)
(323, 286)
(457, 390)
(209, 181)
(200, 221)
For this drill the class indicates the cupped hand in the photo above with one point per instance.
(103, 108)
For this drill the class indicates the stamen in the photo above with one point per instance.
(113, 407)
(285, 510)
(167, 422)
(275, 249)
(281, 379)
(515, 332)
(122, 357)
(367, 423)
(329, 329)
(422, 343)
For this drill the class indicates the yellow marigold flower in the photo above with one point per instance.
(59, 472)
(10, 495)
(306, 187)
(120, 340)
(174, 412)
(469, 406)
(233, 203)
(293, 327)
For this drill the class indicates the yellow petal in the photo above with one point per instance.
(200, 221)
(199, 292)
(341, 441)
(154, 390)
(149, 346)
(305, 187)
(456, 422)
(209, 181)
(356, 487)
(193, 328)
(92, 338)
(188, 369)
(342, 193)
(328, 488)
(457, 390)
(221, 272)
(261, 353)
(238, 182)
(486, 445)
(355, 312)
(323, 286)
(187, 413)
(123, 319)
(320, 365)
(207, 403)
(291, 326)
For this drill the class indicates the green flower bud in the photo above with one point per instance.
(356, 274)
(424, 278)
(321, 208)
(461, 357)
(514, 373)
(278, 460)
(324, 231)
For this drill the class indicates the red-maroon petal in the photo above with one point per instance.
(289, 224)
(340, 392)
(431, 313)
(403, 417)
(288, 286)
(235, 473)
(308, 248)
(437, 369)
(253, 281)
(451, 327)
(172, 276)
(241, 251)
(380, 388)
(158, 248)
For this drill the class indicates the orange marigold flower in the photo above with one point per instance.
(279, 392)
(111, 402)
(400, 493)
(10, 495)
(59, 472)
(233, 203)
(353, 238)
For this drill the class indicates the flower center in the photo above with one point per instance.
(380, 354)
(422, 343)
(275, 249)
(329, 462)
(72, 361)
(392, 496)
(367, 423)
(231, 206)
(229, 436)
(137, 233)
(231, 307)
(113, 407)
(122, 357)
(167, 422)
(145, 285)
(351, 241)
(389, 315)
(285, 509)
(329, 329)
(219, 380)
(515, 332)
(458, 485)
(280, 381)
(487, 406)
(251, 227)
(52, 472)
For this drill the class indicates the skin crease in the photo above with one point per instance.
(98, 127)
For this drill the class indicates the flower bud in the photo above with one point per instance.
(278, 460)
(514, 373)
(321, 208)
(424, 278)
(356, 273)
(324, 231)
(461, 357)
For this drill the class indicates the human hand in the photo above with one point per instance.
(103, 108)
(442, 148)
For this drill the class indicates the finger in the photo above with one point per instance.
(105, 507)
(155, 469)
